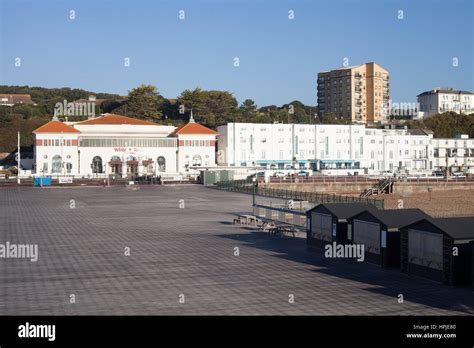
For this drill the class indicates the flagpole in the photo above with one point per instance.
(18, 160)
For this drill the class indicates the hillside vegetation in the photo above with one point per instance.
(210, 107)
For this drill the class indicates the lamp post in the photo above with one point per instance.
(254, 184)
(18, 160)
(62, 156)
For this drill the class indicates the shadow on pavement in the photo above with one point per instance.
(389, 282)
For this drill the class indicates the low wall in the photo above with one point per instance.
(356, 188)
(412, 187)
(328, 187)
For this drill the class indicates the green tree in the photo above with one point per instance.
(143, 102)
(192, 99)
(170, 111)
(110, 105)
(446, 125)
(210, 108)
(331, 118)
(297, 112)
(248, 106)
(247, 111)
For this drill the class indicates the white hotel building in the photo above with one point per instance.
(438, 101)
(457, 152)
(122, 146)
(336, 148)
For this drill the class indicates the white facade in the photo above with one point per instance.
(134, 145)
(438, 101)
(56, 153)
(196, 150)
(318, 147)
(455, 153)
(118, 145)
(242, 144)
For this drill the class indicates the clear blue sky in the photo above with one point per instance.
(279, 58)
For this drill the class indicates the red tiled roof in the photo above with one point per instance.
(55, 127)
(117, 119)
(16, 99)
(193, 128)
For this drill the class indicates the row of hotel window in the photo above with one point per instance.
(301, 129)
(375, 165)
(446, 107)
(455, 97)
(464, 143)
(58, 142)
(421, 154)
(324, 140)
(197, 143)
(165, 142)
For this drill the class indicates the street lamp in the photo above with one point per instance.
(254, 184)
(62, 156)
(18, 160)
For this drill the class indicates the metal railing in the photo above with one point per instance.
(246, 186)
(378, 188)
(363, 179)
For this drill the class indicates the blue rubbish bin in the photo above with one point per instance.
(42, 181)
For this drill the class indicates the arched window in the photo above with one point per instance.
(197, 160)
(161, 164)
(56, 164)
(115, 159)
(96, 165)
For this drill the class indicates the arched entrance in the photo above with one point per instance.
(197, 160)
(161, 164)
(148, 165)
(96, 165)
(132, 165)
(56, 165)
(116, 165)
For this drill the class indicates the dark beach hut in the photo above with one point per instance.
(327, 222)
(439, 249)
(378, 231)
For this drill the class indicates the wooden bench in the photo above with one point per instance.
(248, 220)
(268, 226)
(283, 230)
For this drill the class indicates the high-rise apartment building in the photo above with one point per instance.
(358, 93)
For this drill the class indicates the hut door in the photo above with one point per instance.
(321, 225)
(367, 234)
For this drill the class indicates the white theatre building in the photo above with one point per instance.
(337, 148)
(122, 146)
